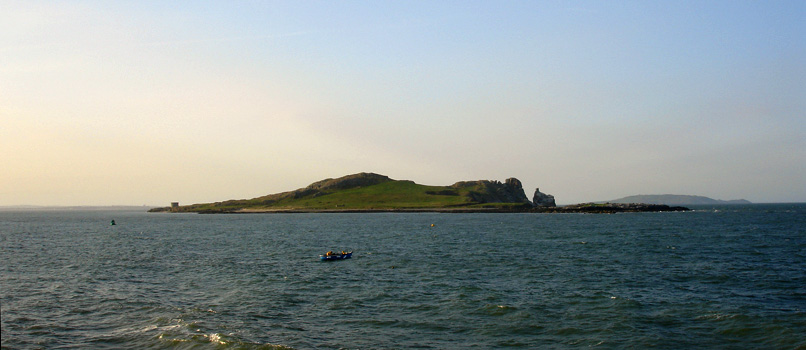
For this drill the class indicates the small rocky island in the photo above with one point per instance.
(369, 192)
(610, 208)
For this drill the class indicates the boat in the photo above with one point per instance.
(336, 256)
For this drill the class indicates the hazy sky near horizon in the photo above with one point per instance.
(147, 102)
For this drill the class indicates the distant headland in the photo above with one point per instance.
(676, 199)
(369, 192)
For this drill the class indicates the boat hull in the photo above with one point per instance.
(336, 256)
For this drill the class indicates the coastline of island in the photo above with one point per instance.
(576, 208)
(374, 193)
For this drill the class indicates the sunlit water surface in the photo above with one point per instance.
(717, 277)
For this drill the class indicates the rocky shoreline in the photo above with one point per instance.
(610, 208)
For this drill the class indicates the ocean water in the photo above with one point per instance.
(717, 277)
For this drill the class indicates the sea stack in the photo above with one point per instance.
(542, 199)
(516, 194)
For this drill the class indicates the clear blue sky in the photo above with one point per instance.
(147, 102)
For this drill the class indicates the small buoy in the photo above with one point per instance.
(432, 225)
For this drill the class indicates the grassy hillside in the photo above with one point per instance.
(392, 194)
(371, 192)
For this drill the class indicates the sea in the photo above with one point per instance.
(717, 277)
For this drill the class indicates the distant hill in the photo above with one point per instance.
(676, 199)
(374, 192)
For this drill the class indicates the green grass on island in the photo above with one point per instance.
(368, 192)
(393, 194)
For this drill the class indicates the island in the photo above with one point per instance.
(370, 192)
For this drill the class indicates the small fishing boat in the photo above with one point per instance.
(336, 256)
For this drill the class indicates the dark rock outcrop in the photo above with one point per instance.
(486, 191)
(541, 199)
(611, 208)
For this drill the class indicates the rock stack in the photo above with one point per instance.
(542, 199)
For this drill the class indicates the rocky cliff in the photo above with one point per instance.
(541, 199)
(486, 191)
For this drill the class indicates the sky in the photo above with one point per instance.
(149, 102)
